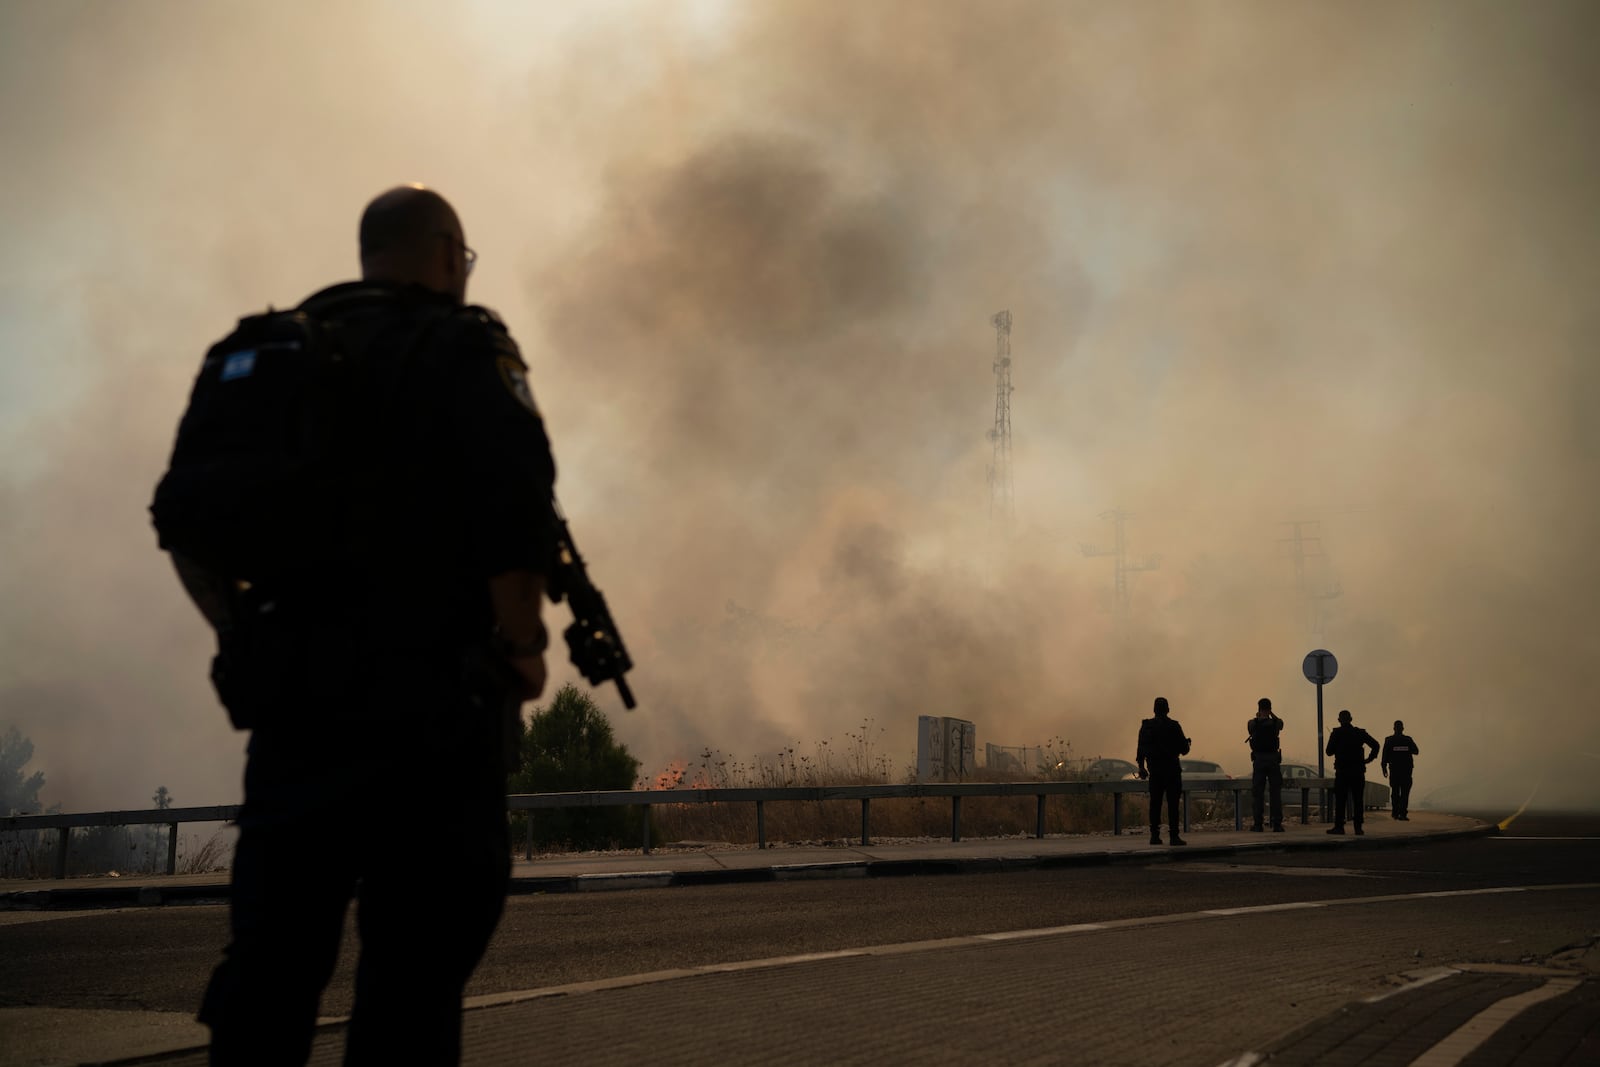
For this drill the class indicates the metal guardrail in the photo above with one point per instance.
(955, 791)
(172, 818)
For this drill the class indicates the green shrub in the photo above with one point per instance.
(569, 747)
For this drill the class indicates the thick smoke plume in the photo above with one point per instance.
(1274, 269)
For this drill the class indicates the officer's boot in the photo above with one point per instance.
(1155, 835)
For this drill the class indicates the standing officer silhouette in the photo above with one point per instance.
(1266, 764)
(1347, 744)
(399, 657)
(1161, 742)
(1399, 753)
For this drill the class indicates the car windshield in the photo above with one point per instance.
(1200, 766)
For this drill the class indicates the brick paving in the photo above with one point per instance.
(1198, 989)
(1560, 1031)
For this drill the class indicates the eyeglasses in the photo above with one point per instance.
(467, 253)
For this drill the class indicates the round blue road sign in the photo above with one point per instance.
(1320, 666)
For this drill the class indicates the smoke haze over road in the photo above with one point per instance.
(1269, 264)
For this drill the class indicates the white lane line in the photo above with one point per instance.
(1503, 837)
(1259, 908)
(1426, 978)
(1244, 1059)
(781, 961)
(972, 940)
(1482, 1026)
(1013, 935)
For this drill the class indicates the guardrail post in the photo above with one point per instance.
(1038, 822)
(1116, 814)
(761, 824)
(61, 852)
(1238, 808)
(1305, 806)
(528, 855)
(1185, 811)
(646, 809)
(866, 825)
(172, 848)
(955, 818)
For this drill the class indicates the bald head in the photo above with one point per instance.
(410, 235)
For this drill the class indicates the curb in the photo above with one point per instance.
(985, 865)
(103, 898)
(132, 896)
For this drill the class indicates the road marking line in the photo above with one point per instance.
(1482, 1026)
(1503, 837)
(973, 940)
(1505, 823)
(1426, 978)
(1012, 935)
(781, 961)
(1257, 908)
(1244, 1059)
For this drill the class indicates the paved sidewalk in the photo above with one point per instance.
(711, 863)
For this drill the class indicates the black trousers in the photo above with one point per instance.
(1166, 786)
(406, 818)
(1400, 789)
(1267, 776)
(1349, 794)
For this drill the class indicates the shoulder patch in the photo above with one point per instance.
(515, 378)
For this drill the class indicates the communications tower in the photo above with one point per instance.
(1002, 506)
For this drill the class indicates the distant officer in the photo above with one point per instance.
(1161, 742)
(1347, 744)
(1399, 752)
(1266, 762)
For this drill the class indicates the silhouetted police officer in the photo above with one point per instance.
(1399, 756)
(1347, 744)
(376, 767)
(1266, 763)
(1161, 743)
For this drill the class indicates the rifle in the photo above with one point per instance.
(596, 645)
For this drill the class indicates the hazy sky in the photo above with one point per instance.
(1269, 263)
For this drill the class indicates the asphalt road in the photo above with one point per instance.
(1150, 990)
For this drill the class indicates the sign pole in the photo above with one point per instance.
(1319, 667)
(1320, 743)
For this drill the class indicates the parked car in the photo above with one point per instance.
(1196, 774)
(1199, 770)
(1376, 798)
(1110, 770)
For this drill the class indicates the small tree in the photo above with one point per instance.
(569, 747)
(18, 795)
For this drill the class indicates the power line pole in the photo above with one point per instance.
(1002, 505)
(1304, 544)
(1121, 599)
